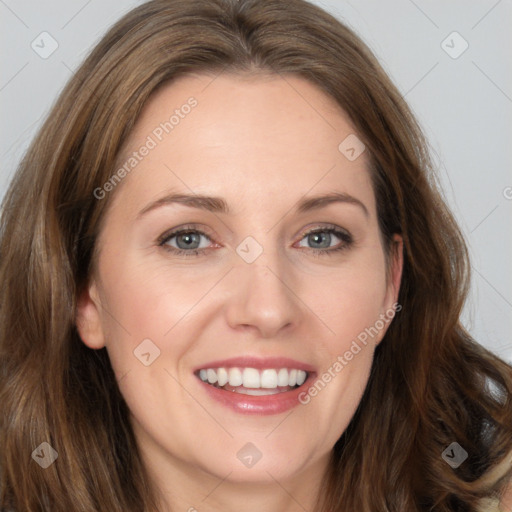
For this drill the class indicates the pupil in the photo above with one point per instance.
(318, 236)
(188, 237)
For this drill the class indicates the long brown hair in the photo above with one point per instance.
(431, 383)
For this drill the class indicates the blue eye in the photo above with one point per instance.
(187, 241)
(323, 237)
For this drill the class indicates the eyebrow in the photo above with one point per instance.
(219, 205)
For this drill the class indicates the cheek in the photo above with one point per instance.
(349, 301)
(332, 399)
(161, 310)
(148, 301)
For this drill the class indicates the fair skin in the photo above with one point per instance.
(506, 499)
(262, 145)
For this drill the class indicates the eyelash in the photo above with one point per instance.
(342, 235)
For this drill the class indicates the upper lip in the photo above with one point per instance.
(257, 362)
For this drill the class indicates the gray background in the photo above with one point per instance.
(463, 102)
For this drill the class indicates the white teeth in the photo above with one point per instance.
(251, 378)
(222, 376)
(235, 377)
(269, 379)
(212, 376)
(282, 377)
(301, 377)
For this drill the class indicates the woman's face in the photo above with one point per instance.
(265, 287)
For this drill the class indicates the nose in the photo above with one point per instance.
(262, 299)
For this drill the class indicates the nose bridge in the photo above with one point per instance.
(262, 289)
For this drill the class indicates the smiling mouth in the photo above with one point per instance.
(252, 381)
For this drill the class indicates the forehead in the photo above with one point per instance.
(242, 137)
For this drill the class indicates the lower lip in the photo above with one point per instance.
(262, 405)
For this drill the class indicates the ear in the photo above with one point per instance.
(88, 318)
(394, 278)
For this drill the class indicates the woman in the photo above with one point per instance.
(141, 371)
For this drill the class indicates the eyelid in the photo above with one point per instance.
(164, 237)
(343, 234)
(346, 240)
(210, 234)
(324, 227)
